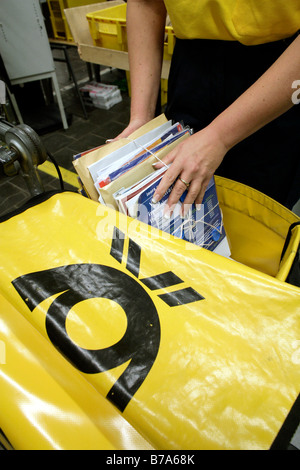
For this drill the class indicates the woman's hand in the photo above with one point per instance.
(193, 163)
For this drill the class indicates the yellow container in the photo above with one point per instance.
(164, 91)
(58, 26)
(169, 42)
(108, 27)
(59, 22)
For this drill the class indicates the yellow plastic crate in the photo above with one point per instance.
(108, 27)
(58, 26)
(169, 42)
(58, 19)
(164, 91)
(108, 30)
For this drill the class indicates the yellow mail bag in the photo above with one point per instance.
(115, 335)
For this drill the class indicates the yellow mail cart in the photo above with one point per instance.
(116, 336)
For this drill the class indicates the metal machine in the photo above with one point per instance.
(23, 152)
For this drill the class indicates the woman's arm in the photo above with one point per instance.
(197, 158)
(145, 33)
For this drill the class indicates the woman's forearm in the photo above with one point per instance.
(145, 31)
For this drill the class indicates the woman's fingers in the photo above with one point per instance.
(193, 163)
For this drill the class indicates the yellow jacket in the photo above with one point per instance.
(247, 21)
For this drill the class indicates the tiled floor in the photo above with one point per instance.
(83, 134)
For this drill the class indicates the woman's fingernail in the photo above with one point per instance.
(109, 140)
(154, 199)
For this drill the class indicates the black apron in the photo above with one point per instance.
(206, 76)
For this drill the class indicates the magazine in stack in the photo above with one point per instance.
(126, 180)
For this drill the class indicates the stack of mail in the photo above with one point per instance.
(101, 95)
(121, 175)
